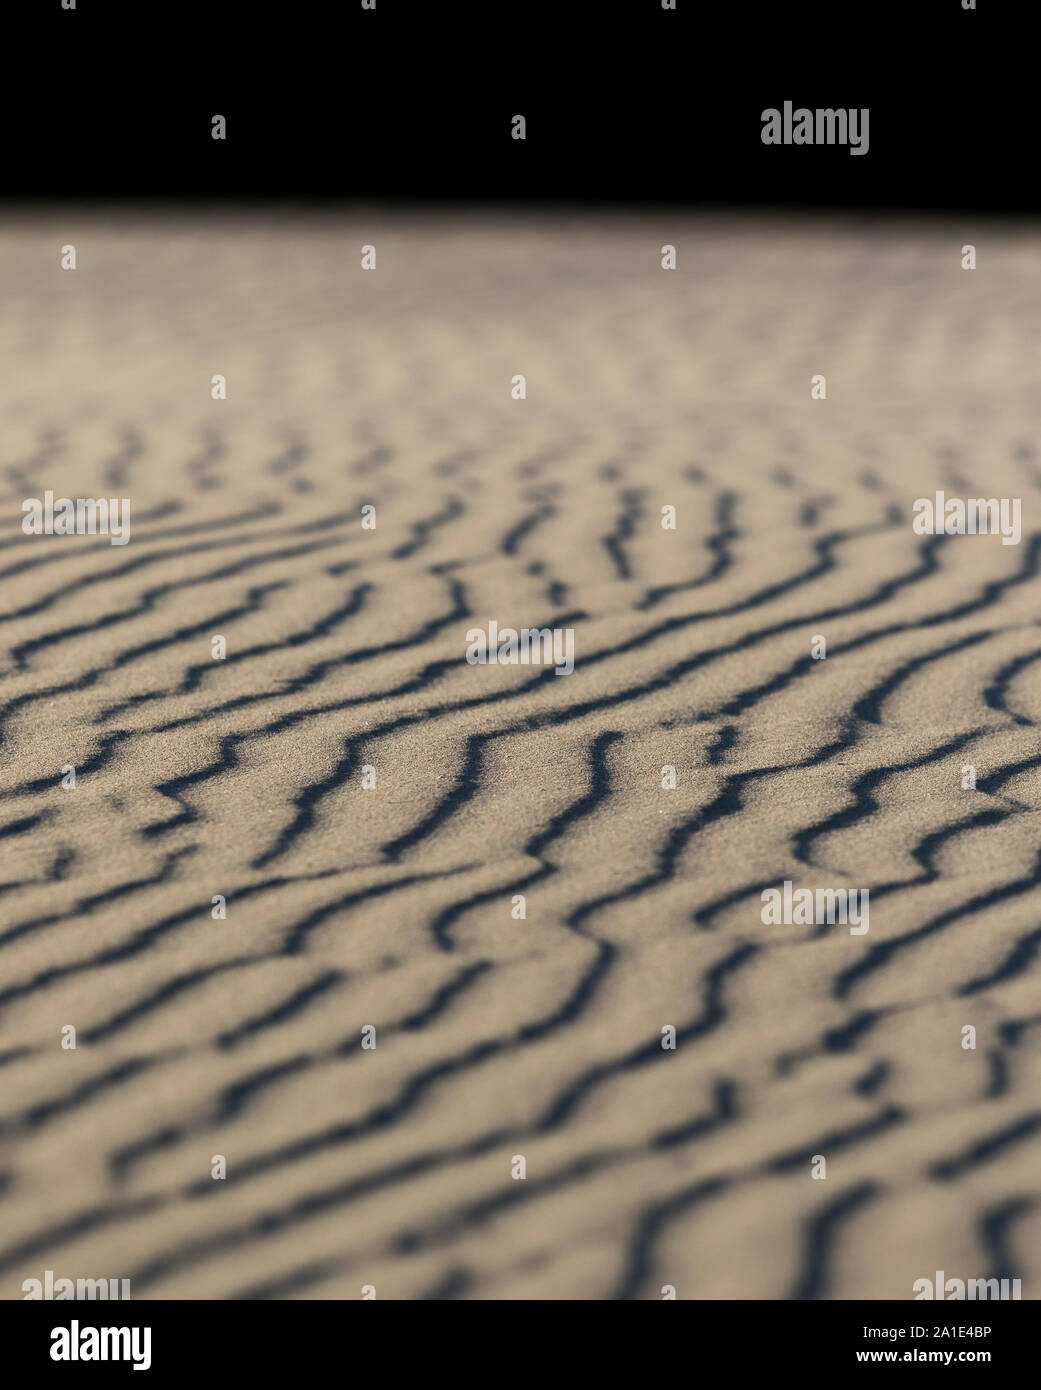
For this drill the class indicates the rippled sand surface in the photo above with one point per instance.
(391, 907)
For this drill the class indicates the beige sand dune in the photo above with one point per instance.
(391, 907)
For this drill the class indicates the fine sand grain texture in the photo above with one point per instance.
(391, 907)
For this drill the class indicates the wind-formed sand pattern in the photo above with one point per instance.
(350, 906)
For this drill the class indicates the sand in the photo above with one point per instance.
(353, 907)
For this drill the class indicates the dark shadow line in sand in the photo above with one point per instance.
(819, 1235)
